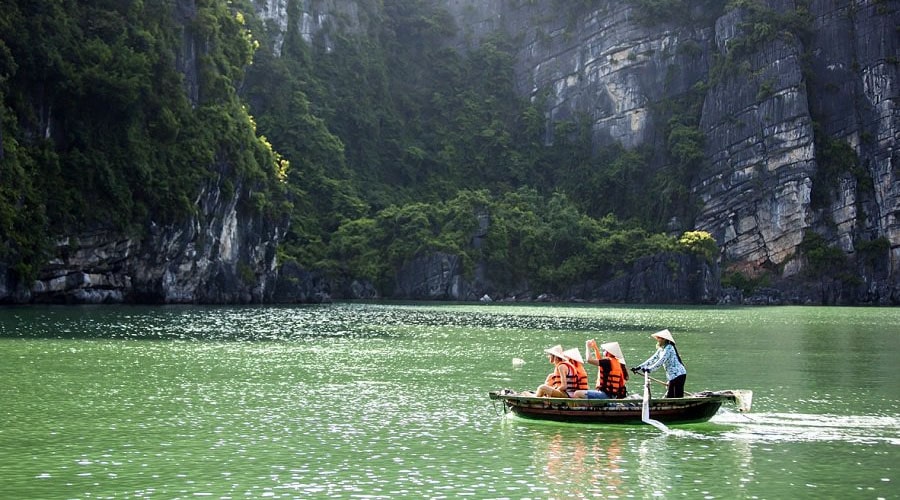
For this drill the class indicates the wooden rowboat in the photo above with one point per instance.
(697, 407)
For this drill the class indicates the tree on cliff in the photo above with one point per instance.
(102, 128)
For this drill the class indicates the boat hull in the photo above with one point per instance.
(612, 411)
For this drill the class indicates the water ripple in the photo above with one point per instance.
(798, 427)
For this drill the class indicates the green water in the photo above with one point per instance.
(387, 401)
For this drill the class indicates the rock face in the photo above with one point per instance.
(315, 17)
(760, 143)
(437, 276)
(297, 285)
(668, 278)
(762, 118)
(225, 254)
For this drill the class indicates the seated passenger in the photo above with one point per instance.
(581, 380)
(562, 379)
(612, 374)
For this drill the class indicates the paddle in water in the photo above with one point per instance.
(645, 409)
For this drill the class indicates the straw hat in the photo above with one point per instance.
(614, 349)
(664, 334)
(557, 351)
(573, 355)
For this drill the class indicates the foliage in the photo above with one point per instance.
(835, 158)
(821, 258)
(761, 25)
(764, 24)
(682, 11)
(877, 246)
(545, 242)
(98, 129)
(744, 283)
(874, 252)
(699, 243)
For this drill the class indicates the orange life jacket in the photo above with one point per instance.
(574, 379)
(611, 378)
(581, 382)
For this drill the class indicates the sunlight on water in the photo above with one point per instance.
(390, 400)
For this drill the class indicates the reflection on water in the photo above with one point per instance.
(667, 462)
(615, 462)
(580, 466)
(654, 474)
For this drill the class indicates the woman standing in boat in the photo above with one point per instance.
(611, 371)
(667, 356)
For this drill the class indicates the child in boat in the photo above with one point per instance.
(612, 374)
(667, 356)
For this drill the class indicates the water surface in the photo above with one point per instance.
(387, 401)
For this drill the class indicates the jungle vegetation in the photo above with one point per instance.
(377, 141)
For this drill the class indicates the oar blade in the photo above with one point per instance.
(645, 407)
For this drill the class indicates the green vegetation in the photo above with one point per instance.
(545, 241)
(390, 142)
(702, 12)
(98, 130)
(765, 24)
(699, 243)
(873, 253)
(835, 158)
(744, 283)
(822, 259)
(762, 24)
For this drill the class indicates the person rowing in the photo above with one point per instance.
(667, 356)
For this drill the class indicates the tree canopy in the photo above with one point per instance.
(376, 143)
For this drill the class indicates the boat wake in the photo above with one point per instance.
(804, 427)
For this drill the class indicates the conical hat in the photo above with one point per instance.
(664, 334)
(557, 351)
(574, 355)
(614, 349)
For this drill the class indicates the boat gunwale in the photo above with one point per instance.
(522, 400)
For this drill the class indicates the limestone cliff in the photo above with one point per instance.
(780, 84)
(771, 109)
(762, 117)
(771, 113)
(224, 252)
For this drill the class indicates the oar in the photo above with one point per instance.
(659, 381)
(645, 408)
